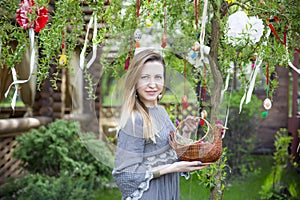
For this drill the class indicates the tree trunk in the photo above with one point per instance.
(216, 191)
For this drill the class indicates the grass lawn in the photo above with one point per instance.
(236, 189)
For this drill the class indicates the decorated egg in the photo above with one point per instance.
(137, 35)
(267, 104)
(62, 60)
(204, 114)
(148, 22)
(196, 46)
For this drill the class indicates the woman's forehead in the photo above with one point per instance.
(153, 67)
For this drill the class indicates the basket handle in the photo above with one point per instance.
(208, 125)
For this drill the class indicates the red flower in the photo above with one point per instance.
(26, 18)
(41, 20)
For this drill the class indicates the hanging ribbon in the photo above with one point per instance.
(138, 6)
(229, 71)
(202, 33)
(94, 43)
(247, 95)
(164, 37)
(284, 42)
(14, 74)
(196, 13)
(184, 99)
(82, 54)
(289, 61)
(258, 63)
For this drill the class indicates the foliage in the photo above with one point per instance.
(207, 176)
(43, 187)
(239, 138)
(57, 150)
(275, 187)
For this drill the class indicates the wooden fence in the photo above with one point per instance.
(9, 130)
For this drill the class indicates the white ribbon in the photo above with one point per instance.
(289, 61)
(242, 101)
(229, 71)
(202, 33)
(253, 78)
(82, 54)
(14, 74)
(94, 44)
(226, 121)
(247, 95)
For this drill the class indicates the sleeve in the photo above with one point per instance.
(131, 175)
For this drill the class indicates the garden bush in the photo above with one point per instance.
(43, 187)
(279, 185)
(239, 139)
(55, 158)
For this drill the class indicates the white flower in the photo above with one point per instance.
(242, 29)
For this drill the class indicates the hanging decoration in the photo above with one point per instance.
(93, 20)
(30, 16)
(35, 19)
(267, 102)
(284, 41)
(148, 19)
(256, 66)
(243, 29)
(184, 99)
(63, 58)
(164, 36)
(196, 45)
(137, 35)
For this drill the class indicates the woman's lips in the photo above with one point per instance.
(151, 92)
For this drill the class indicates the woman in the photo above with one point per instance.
(146, 167)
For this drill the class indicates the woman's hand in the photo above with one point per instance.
(181, 166)
(189, 166)
(190, 125)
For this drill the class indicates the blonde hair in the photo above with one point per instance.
(131, 104)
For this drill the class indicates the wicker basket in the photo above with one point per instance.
(200, 150)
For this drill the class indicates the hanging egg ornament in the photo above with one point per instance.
(267, 104)
(184, 102)
(204, 114)
(137, 34)
(62, 60)
(164, 41)
(137, 37)
(196, 46)
(148, 22)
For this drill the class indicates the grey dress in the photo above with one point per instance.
(135, 158)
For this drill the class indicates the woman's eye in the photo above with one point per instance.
(158, 77)
(144, 77)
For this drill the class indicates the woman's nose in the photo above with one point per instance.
(151, 83)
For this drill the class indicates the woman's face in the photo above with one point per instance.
(151, 82)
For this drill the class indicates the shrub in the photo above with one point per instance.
(278, 185)
(58, 163)
(57, 149)
(239, 139)
(42, 187)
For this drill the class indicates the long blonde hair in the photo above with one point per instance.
(131, 103)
